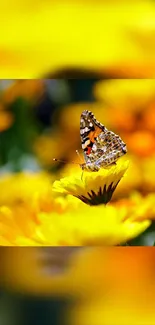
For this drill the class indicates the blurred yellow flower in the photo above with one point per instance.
(149, 117)
(131, 95)
(24, 187)
(119, 290)
(85, 225)
(120, 22)
(69, 121)
(28, 89)
(132, 179)
(92, 188)
(148, 172)
(58, 145)
(141, 143)
(6, 120)
(41, 271)
(119, 119)
(136, 202)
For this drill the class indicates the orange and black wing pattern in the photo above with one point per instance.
(90, 129)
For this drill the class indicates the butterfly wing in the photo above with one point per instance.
(110, 148)
(98, 143)
(90, 129)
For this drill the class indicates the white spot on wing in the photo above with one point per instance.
(82, 131)
(94, 147)
(85, 144)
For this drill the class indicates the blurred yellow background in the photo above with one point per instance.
(43, 38)
(77, 286)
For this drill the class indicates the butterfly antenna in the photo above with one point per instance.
(65, 162)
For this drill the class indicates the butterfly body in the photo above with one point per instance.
(101, 147)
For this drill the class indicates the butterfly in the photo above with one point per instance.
(101, 147)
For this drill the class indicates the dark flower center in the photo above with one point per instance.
(103, 196)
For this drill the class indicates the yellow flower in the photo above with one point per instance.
(80, 226)
(24, 187)
(30, 194)
(31, 216)
(105, 225)
(138, 205)
(93, 188)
